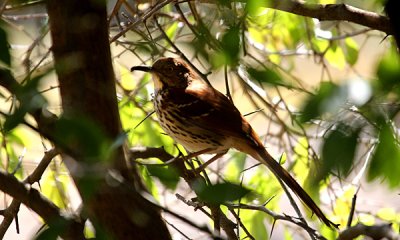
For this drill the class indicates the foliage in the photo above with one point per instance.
(335, 123)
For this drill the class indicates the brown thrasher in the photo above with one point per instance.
(204, 120)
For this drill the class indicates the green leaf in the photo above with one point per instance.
(230, 42)
(149, 181)
(266, 186)
(338, 150)
(388, 73)
(220, 192)
(385, 161)
(54, 186)
(267, 75)
(30, 100)
(234, 169)
(335, 57)
(254, 221)
(168, 175)
(328, 99)
(387, 214)
(85, 136)
(253, 7)
(351, 51)
(5, 56)
(171, 30)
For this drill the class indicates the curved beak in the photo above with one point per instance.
(157, 82)
(142, 68)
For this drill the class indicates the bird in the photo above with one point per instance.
(204, 120)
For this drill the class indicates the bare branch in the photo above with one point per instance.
(335, 12)
(190, 177)
(382, 231)
(33, 199)
(11, 211)
(276, 216)
(330, 12)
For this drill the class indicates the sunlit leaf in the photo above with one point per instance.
(168, 175)
(384, 163)
(54, 186)
(342, 206)
(88, 231)
(335, 57)
(220, 193)
(253, 7)
(387, 214)
(319, 44)
(149, 181)
(171, 30)
(254, 222)
(264, 183)
(19, 136)
(234, 169)
(148, 132)
(327, 1)
(127, 79)
(14, 164)
(366, 219)
(256, 35)
(351, 51)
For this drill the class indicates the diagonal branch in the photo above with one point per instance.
(33, 199)
(334, 12)
(12, 210)
(329, 12)
(189, 176)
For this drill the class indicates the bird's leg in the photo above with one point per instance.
(190, 155)
(198, 153)
(204, 165)
(208, 162)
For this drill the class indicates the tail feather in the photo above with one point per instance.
(263, 156)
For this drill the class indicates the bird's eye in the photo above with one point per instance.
(170, 69)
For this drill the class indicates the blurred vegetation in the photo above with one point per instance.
(324, 95)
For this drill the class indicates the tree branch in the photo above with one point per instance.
(329, 12)
(190, 177)
(276, 216)
(33, 199)
(334, 12)
(382, 231)
(12, 210)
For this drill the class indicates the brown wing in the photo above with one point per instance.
(196, 104)
(204, 105)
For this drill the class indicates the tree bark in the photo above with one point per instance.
(82, 57)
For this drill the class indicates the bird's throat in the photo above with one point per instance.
(158, 84)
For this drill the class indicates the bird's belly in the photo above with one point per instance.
(185, 133)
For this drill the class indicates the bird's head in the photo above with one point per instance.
(168, 73)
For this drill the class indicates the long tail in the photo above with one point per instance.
(263, 156)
